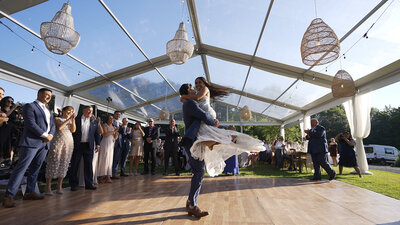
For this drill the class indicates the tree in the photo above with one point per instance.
(334, 120)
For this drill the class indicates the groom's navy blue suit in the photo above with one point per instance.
(33, 149)
(192, 116)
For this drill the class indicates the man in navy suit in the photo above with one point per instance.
(318, 148)
(38, 131)
(192, 116)
(150, 136)
(86, 141)
(125, 133)
(117, 145)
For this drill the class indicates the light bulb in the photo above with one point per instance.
(341, 86)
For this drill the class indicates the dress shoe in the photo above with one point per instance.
(90, 188)
(315, 179)
(196, 212)
(333, 176)
(33, 196)
(177, 174)
(165, 174)
(187, 205)
(153, 173)
(115, 177)
(124, 175)
(74, 188)
(8, 202)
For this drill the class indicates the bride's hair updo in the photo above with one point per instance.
(216, 92)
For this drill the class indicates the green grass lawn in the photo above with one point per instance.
(382, 182)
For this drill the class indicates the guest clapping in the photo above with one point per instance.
(136, 147)
(61, 149)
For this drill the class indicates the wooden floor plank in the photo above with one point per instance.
(229, 199)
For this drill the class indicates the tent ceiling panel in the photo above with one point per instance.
(186, 73)
(226, 73)
(235, 34)
(291, 25)
(12, 6)
(151, 31)
(120, 97)
(267, 84)
(381, 48)
(98, 31)
(18, 51)
(303, 93)
(278, 112)
(148, 111)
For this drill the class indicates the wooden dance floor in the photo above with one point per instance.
(230, 200)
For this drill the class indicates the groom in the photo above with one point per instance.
(192, 116)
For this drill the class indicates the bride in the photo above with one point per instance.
(214, 145)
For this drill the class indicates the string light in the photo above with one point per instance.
(33, 49)
(59, 64)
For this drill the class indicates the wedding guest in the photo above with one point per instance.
(318, 148)
(61, 148)
(104, 168)
(136, 147)
(125, 133)
(171, 147)
(347, 153)
(333, 151)
(117, 146)
(150, 136)
(38, 131)
(3, 116)
(7, 130)
(86, 142)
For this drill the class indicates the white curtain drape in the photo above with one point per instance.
(283, 131)
(358, 110)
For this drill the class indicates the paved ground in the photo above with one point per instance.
(385, 168)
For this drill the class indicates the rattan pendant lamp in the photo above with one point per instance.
(320, 44)
(59, 35)
(343, 85)
(245, 113)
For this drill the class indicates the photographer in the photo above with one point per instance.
(347, 153)
(7, 129)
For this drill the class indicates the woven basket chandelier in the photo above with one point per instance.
(343, 85)
(179, 49)
(245, 114)
(59, 35)
(164, 114)
(320, 44)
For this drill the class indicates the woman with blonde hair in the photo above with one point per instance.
(61, 148)
(136, 147)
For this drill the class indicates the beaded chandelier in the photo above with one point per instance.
(320, 44)
(343, 85)
(179, 49)
(59, 35)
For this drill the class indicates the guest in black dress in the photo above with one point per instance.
(332, 147)
(347, 153)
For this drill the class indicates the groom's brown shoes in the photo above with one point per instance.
(196, 212)
(187, 205)
(8, 202)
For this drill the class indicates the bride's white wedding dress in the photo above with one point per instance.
(215, 159)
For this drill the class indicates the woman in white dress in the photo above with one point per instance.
(136, 147)
(106, 152)
(61, 148)
(214, 145)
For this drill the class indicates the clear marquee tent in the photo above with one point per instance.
(252, 47)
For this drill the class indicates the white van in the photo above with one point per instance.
(381, 153)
